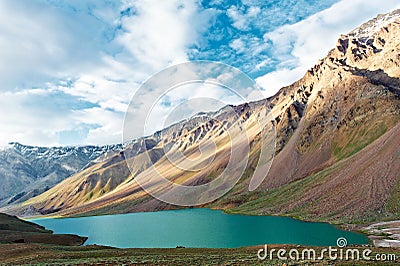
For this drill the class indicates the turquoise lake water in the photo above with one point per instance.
(198, 228)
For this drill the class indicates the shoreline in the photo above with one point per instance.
(378, 237)
(346, 227)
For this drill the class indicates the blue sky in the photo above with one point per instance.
(69, 68)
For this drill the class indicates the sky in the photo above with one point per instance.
(69, 69)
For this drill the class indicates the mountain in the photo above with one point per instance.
(100, 181)
(341, 160)
(337, 151)
(27, 171)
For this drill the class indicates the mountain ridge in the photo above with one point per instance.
(26, 171)
(329, 124)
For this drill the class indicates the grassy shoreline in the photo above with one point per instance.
(39, 254)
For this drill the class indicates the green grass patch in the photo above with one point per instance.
(393, 204)
(269, 201)
(358, 140)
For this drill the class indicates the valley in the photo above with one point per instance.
(336, 155)
(131, 136)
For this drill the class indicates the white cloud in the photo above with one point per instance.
(242, 18)
(85, 52)
(110, 125)
(238, 45)
(24, 118)
(41, 43)
(89, 57)
(161, 31)
(299, 46)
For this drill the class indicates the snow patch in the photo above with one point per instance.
(371, 27)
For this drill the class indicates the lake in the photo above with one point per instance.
(197, 228)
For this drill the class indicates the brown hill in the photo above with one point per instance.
(14, 230)
(337, 156)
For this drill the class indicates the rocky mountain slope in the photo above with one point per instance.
(106, 180)
(344, 153)
(337, 150)
(27, 171)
